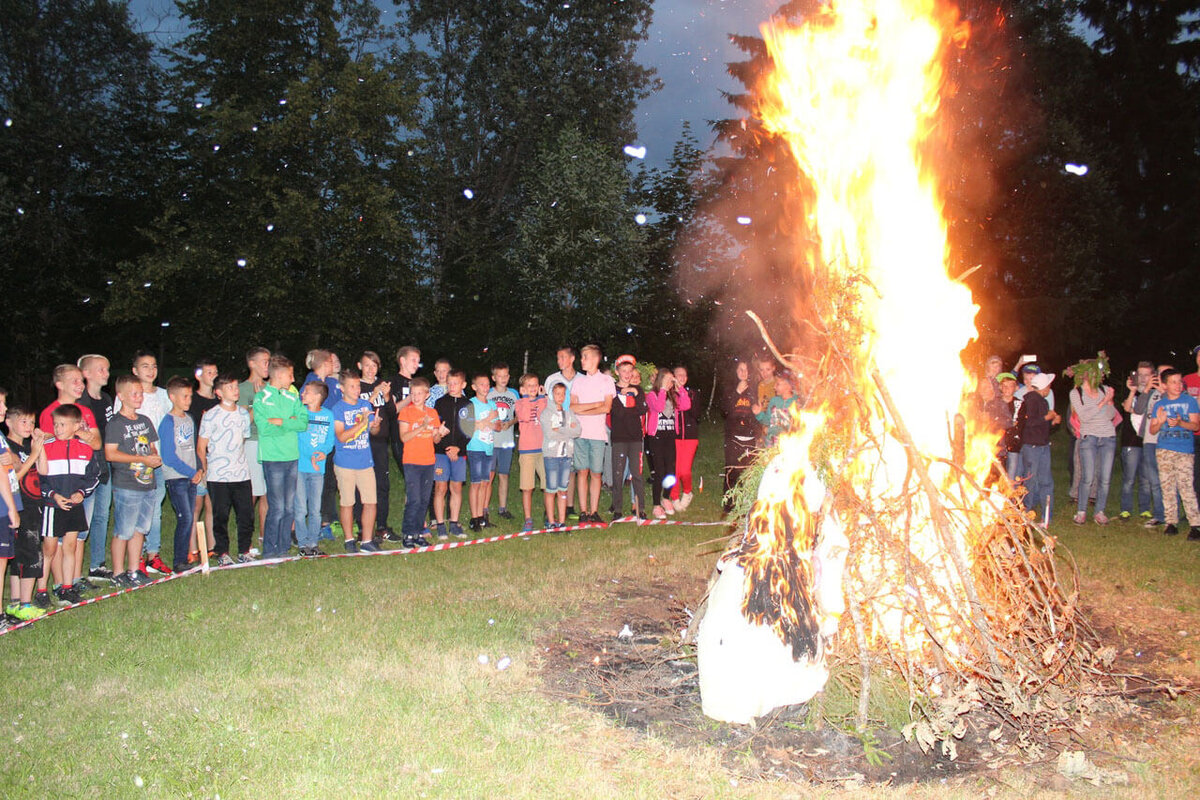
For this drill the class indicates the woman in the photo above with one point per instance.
(741, 428)
(1092, 404)
(663, 402)
(687, 427)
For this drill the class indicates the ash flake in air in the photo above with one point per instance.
(743, 220)
(467, 193)
(635, 152)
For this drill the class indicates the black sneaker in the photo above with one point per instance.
(84, 585)
(457, 531)
(123, 581)
(101, 573)
(484, 523)
(72, 595)
(351, 545)
(368, 546)
(1193, 534)
(391, 536)
(504, 513)
(474, 524)
(415, 541)
(41, 600)
(140, 578)
(1170, 530)
(309, 552)
(441, 531)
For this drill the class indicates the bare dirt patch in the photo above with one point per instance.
(622, 657)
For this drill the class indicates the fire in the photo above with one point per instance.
(855, 92)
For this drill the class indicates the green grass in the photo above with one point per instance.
(360, 676)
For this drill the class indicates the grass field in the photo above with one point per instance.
(362, 676)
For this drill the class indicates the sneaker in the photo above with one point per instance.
(391, 536)
(1193, 534)
(1079, 518)
(68, 594)
(246, 558)
(351, 545)
(155, 566)
(368, 546)
(474, 524)
(42, 600)
(309, 552)
(441, 531)
(659, 513)
(84, 585)
(1100, 518)
(572, 514)
(101, 573)
(415, 541)
(1170, 530)
(11, 608)
(180, 567)
(685, 500)
(326, 532)
(504, 513)
(27, 612)
(123, 581)
(1125, 516)
(1153, 522)
(1147, 515)
(457, 530)
(225, 560)
(140, 578)
(528, 525)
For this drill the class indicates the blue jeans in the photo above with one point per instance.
(1095, 464)
(183, 499)
(1133, 472)
(1150, 476)
(418, 484)
(1013, 466)
(154, 535)
(281, 503)
(310, 488)
(97, 507)
(1039, 480)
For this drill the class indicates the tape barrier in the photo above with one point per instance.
(433, 548)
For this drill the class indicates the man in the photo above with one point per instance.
(592, 395)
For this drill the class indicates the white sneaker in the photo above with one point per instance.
(668, 506)
(684, 501)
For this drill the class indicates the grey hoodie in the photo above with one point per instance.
(560, 429)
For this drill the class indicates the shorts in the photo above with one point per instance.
(8, 537)
(58, 523)
(258, 481)
(558, 473)
(446, 470)
(481, 465)
(27, 554)
(503, 460)
(351, 480)
(133, 512)
(202, 489)
(532, 466)
(589, 455)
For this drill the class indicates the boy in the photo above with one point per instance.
(777, 416)
(441, 385)
(408, 361)
(221, 451)
(420, 429)
(131, 448)
(766, 380)
(481, 458)
(177, 434)
(1175, 418)
(324, 367)
(68, 473)
(10, 518)
(354, 420)
(314, 445)
(95, 370)
(565, 357)
(280, 416)
(1034, 419)
(27, 549)
(203, 398)
(528, 413)
(628, 409)
(560, 429)
(450, 466)
(258, 362)
(155, 405)
(504, 442)
(592, 394)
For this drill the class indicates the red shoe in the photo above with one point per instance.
(156, 566)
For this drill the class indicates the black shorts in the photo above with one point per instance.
(7, 536)
(27, 558)
(57, 522)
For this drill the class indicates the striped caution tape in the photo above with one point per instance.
(433, 548)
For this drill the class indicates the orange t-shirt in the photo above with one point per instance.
(419, 450)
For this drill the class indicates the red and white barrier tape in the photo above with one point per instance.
(433, 548)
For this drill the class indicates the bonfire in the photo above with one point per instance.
(873, 543)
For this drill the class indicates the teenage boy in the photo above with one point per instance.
(1034, 420)
(1176, 419)
(408, 361)
(204, 397)
(258, 362)
(565, 357)
(177, 438)
(560, 429)
(504, 442)
(592, 394)
(441, 382)
(155, 405)
(628, 409)
(315, 443)
(528, 412)
(95, 371)
(281, 416)
(420, 429)
(450, 464)
(354, 420)
(378, 392)
(481, 458)
(1142, 406)
(27, 564)
(221, 451)
(10, 521)
(131, 448)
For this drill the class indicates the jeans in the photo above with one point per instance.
(1014, 466)
(1133, 472)
(1039, 480)
(183, 499)
(627, 456)
(310, 486)
(281, 502)
(1095, 463)
(154, 535)
(418, 483)
(1150, 475)
(98, 509)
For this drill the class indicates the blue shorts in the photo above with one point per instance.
(446, 470)
(589, 455)
(482, 464)
(558, 473)
(504, 456)
(133, 511)
(202, 489)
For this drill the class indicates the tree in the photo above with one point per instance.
(79, 157)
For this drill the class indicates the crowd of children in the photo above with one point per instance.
(310, 460)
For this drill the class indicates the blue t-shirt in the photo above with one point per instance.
(1176, 438)
(317, 438)
(483, 439)
(356, 453)
(11, 474)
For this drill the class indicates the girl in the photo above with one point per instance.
(687, 427)
(663, 401)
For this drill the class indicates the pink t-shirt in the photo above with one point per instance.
(593, 389)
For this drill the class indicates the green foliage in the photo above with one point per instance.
(1091, 371)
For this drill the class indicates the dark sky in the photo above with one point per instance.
(688, 45)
